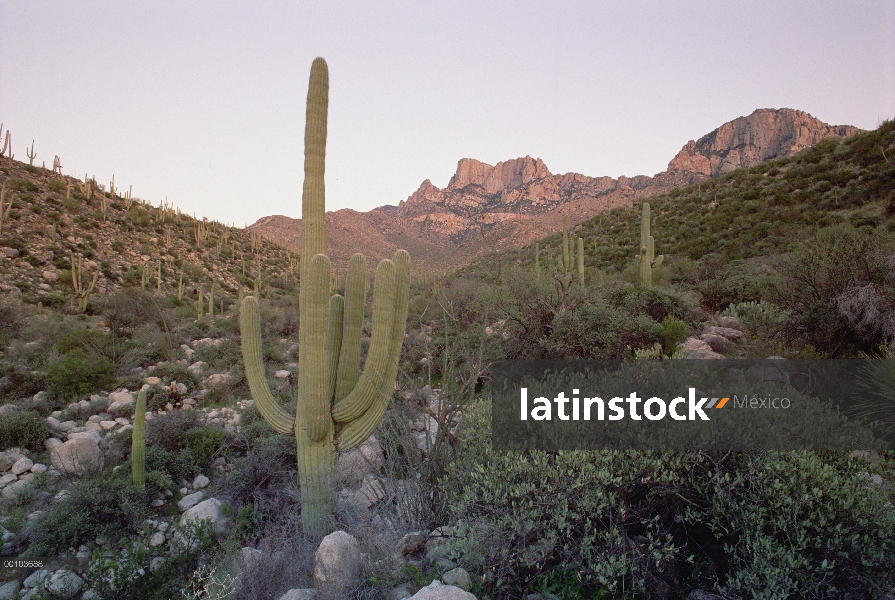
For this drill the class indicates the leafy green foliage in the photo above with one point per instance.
(22, 429)
(772, 525)
(204, 442)
(673, 332)
(97, 504)
(78, 373)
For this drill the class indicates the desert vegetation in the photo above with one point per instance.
(178, 477)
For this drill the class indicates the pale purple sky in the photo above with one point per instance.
(204, 102)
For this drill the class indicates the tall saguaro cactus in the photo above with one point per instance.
(647, 256)
(580, 256)
(138, 441)
(339, 405)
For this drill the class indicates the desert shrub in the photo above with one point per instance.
(97, 504)
(598, 331)
(812, 277)
(204, 442)
(181, 464)
(78, 373)
(79, 412)
(772, 525)
(169, 371)
(157, 397)
(262, 476)
(221, 356)
(18, 381)
(22, 428)
(673, 332)
(757, 313)
(168, 430)
(128, 309)
(655, 303)
(11, 320)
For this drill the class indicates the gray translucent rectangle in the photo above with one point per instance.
(771, 404)
(51, 563)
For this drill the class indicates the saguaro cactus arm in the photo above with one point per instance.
(250, 326)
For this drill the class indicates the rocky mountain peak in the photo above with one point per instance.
(505, 175)
(744, 142)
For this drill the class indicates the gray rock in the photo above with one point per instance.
(200, 481)
(191, 500)
(157, 539)
(371, 491)
(401, 592)
(76, 455)
(715, 342)
(91, 434)
(698, 349)
(300, 594)
(21, 466)
(10, 590)
(437, 591)
(249, 555)
(36, 578)
(733, 335)
(156, 563)
(5, 463)
(337, 563)
(15, 489)
(38, 468)
(7, 479)
(730, 323)
(359, 461)
(458, 577)
(207, 509)
(64, 583)
(412, 544)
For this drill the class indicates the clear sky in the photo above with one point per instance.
(203, 102)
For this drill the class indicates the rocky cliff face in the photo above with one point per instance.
(766, 134)
(485, 207)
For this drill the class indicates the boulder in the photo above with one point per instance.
(200, 481)
(337, 563)
(10, 590)
(91, 435)
(64, 584)
(715, 342)
(14, 489)
(458, 577)
(355, 464)
(191, 500)
(730, 323)
(300, 594)
(207, 509)
(698, 349)
(22, 466)
(438, 591)
(76, 455)
(5, 463)
(733, 335)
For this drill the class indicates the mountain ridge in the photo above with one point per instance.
(490, 207)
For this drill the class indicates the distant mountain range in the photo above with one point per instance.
(485, 208)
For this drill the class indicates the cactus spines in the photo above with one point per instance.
(81, 293)
(339, 404)
(647, 256)
(31, 154)
(138, 441)
(581, 261)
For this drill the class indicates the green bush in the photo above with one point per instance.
(673, 332)
(204, 442)
(179, 464)
(157, 398)
(97, 504)
(23, 429)
(78, 373)
(771, 525)
(168, 430)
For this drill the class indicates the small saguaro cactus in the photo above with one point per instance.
(647, 256)
(581, 261)
(339, 405)
(5, 205)
(537, 262)
(57, 165)
(138, 441)
(31, 154)
(81, 293)
(566, 253)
